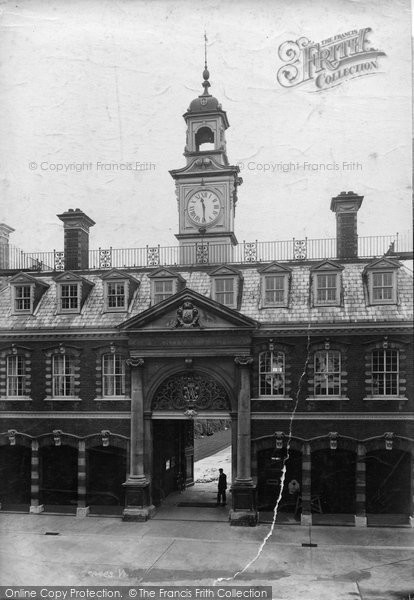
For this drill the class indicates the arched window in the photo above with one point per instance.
(204, 137)
(272, 373)
(113, 375)
(63, 375)
(327, 373)
(385, 372)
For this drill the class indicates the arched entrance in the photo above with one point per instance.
(59, 477)
(333, 480)
(15, 477)
(388, 481)
(181, 398)
(270, 462)
(106, 468)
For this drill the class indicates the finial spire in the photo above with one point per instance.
(206, 74)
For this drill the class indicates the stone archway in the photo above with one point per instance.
(177, 401)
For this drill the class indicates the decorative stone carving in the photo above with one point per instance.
(279, 440)
(57, 437)
(190, 413)
(187, 315)
(105, 437)
(191, 392)
(333, 440)
(134, 362)
(388, 440)
(12, 436)
(244, 360)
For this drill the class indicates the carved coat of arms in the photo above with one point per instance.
(187, 315)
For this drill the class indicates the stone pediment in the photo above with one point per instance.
(382, 264)
(327, 265)
(188, 310)
(25, 279)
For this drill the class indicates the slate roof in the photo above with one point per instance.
(354, 308)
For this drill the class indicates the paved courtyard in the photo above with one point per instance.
(196, 546)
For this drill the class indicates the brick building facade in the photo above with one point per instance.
(103, 368)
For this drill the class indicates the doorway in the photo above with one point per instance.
(187, 454)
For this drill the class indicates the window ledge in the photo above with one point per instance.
(15, 399)
(280, 398)
(327, 399)
(63, 399)
(113, 399)
(385, 399)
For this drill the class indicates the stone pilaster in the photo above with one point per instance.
(244, 509)
(306, 516)
(412, 489)
(82, 510)
(35, 507)
(360, 488)
(138, 507)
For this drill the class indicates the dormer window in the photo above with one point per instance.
(224, 291)
(326, 284)
(275, 285)
(119, 289)
(23, 298)
(69, 297)
(26, 293)
(72, 291)
(164, 284)
(381, 277)
(225, 283)
(115, 295)
(163, 289)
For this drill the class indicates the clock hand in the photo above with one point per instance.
(204, 210)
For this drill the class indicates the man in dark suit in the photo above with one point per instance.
(222, 487)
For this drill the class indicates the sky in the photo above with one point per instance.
(91, 83)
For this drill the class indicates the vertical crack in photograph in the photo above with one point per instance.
(283, 470)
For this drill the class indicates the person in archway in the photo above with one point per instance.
(222, 487)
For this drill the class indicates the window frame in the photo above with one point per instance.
(125, 295)
(272, 353)
(19, 377)
(234, 292)
(71, 375)
(122, 375)
(71, 310)
(24, 311)
(162, 280)
(371, 287)
(285, 278)
(316, 276)
(385, 372)
(328, 374)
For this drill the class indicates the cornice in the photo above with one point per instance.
(40, 334)
(64, 414)
(330, 416)
(346, 327)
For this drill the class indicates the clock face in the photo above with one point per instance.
(204, 208)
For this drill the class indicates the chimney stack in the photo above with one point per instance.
(346, 206)
(76, 227)
(5, 232)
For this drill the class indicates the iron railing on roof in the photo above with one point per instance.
(204, 252)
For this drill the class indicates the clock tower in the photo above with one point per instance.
(206, 187)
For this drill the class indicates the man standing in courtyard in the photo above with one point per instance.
(222, 487)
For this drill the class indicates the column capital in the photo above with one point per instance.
(134, 362)
(243, 360)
